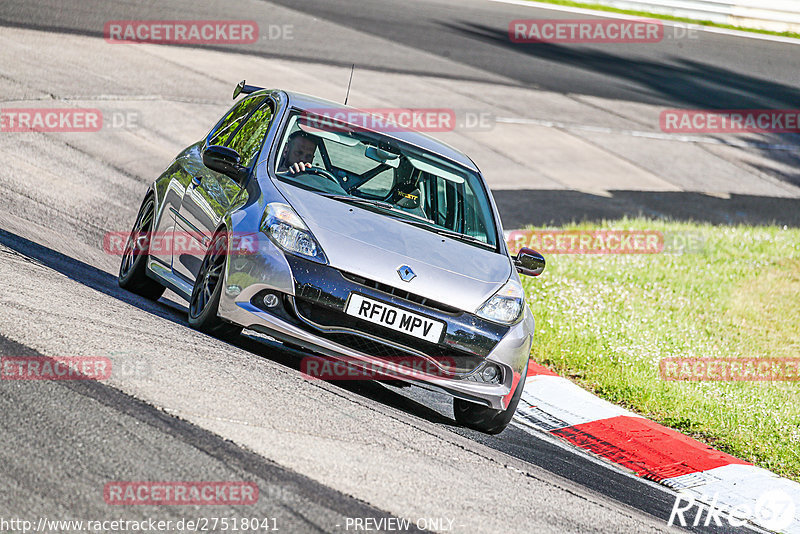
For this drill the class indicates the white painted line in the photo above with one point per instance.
(649, 135)
(672, 23)
(564, 402)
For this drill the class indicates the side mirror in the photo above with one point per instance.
(223, 160)
(529, 262)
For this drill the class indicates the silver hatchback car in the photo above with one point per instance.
(377, 247)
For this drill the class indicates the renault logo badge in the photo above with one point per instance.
(406, 274)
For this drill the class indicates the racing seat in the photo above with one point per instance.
(406, 194)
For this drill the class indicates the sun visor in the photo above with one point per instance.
(433, 169)
(327, 135)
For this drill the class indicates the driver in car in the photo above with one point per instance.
(298, 153)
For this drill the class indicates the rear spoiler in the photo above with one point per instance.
(242, 88)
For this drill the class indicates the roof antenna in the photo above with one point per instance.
(349, 83)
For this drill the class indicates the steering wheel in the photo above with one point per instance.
(319, 171)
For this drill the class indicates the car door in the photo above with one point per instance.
(211, 195)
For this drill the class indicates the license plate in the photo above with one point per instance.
(395, 318)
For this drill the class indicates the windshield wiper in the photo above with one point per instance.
(412, 219)
(463, 237)
(420, 223)
(359, 200)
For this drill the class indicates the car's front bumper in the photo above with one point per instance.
(468, 340)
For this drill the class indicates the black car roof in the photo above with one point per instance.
(307, 102)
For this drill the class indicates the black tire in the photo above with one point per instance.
(204, 302)
(133, 266)
(483, 418)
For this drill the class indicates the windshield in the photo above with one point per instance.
(381, 174)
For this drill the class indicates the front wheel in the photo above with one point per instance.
(204, 302)
(133, 267)
(485, 419)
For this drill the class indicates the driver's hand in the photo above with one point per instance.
(295, 168)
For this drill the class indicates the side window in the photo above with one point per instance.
(233, 120)
(247, 141)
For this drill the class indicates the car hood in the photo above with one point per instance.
(375, 246)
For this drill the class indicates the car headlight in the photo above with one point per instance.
(288, 231)
(506, 305)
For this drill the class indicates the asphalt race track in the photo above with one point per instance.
(474, 34)
(193, 408)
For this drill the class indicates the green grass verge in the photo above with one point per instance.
(606, 321)
(598, 7)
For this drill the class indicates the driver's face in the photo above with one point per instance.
(301, 150)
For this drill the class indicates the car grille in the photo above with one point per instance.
(399, 293)
(384, 342)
